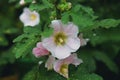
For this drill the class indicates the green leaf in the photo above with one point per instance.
(76, 8)
(84, 10)
(105, 59)
(32, 75)
(80, 15)
(38, 7)
(32, 30)
(82, 21)
(47, 32)
(22, 49)
(41, 73)
(48, 4)
(81, 73)
(20, 38)
(26, 41)
(65, 17)
(88, 61)
(89, 77)
(107, 23)
(88, 10)
(28, 32)
(100, 36)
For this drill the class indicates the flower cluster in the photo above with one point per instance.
(60, 46)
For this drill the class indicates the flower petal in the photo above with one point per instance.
(76, 60)
(71, 30)
(50, 62)
(40, 50)
(69, 59)
(24, 16)
(61, 68)
(26, 10)
(39, 44)
(72, 59)
(57, 65)
(36, 52)
(82, 40)
(57, 25)
(73, 43)
(62, 52)
(49, 45)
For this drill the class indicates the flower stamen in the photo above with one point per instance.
(64, 70)
(33, 16)
(60, 38)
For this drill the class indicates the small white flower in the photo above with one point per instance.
(29, 18)
(22, 2)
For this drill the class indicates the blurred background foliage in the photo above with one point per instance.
(101, 55)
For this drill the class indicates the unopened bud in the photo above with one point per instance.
(69, 5)
(34, 1)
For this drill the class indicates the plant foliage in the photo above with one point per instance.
(103, 34)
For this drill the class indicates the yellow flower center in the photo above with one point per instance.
(60, 38)
(33, 16)
(64, 70)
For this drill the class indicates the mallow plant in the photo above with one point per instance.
(60, 38)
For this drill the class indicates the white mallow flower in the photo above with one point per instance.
(22, 2)
(30, 18)
(64, 41)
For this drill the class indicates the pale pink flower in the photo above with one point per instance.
(39, 50)
(61, 66)
(63, 41)
(29, 18)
